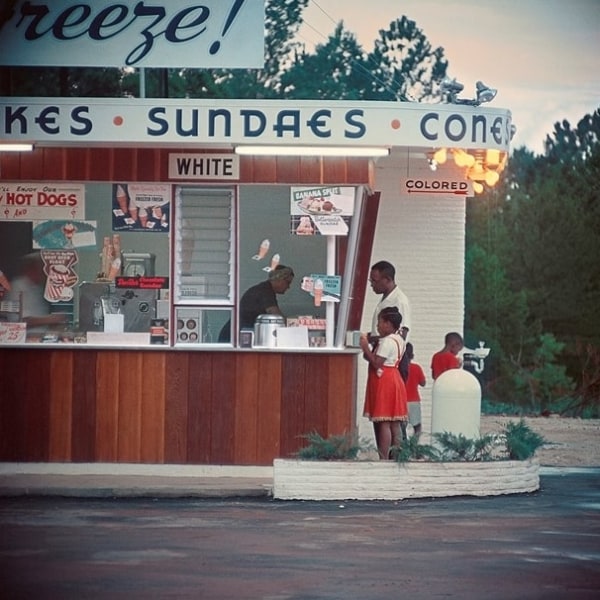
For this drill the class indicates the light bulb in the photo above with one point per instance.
(476, 172)
(440, 156)
(459, 158)
(492, 157)
(469, 159)
(491, 178)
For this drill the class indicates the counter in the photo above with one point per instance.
(75, 403)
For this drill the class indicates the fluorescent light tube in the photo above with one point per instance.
(15, 147)
(366, 151)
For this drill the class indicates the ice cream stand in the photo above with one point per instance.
(213, 179)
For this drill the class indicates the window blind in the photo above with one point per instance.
(204, 245)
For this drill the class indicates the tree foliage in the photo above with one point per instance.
(533, 268)
(282, 21)
(336, 70)
(402, 65)
(62, 81)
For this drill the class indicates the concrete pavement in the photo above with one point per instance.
(107, 480)
(104, 480)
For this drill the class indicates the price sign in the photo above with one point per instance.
(13, 333)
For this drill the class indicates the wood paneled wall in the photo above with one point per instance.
(243, 408)
(152, 164)
(86, 405)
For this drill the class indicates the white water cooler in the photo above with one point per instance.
(456, 404)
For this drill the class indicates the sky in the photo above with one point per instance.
(543, 56)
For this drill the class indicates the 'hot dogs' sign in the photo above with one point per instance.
(35, 201)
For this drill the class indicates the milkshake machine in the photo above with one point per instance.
(97, 299)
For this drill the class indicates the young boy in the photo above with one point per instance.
(416, 378)
(447, 357)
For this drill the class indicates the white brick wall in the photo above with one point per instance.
(423, 236)
(387, 480)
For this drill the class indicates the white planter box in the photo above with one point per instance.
(383, 480)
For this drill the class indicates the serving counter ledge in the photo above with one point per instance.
(178, 348)
(157, 404)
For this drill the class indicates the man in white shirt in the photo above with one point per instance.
(382, 280)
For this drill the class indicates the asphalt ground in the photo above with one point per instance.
(544, 545)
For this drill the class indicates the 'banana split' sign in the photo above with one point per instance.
(132, 33)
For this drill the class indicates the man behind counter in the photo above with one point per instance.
(261, 298)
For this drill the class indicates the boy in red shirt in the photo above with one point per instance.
(416, 378)
(447, 357)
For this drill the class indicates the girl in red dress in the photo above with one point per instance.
(385, 398)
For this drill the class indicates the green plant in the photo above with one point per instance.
(344, 446)
(411, 449)
(516, 441)
(520, 440)
(542, 379)
(498, 407)
(459, 447)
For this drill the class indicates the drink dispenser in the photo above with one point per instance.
(138, 307)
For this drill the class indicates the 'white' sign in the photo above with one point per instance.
(204, 166)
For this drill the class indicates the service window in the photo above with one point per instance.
(204, 274)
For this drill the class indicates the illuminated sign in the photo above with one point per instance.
(170, 121)
(141, 282)
(134, 33)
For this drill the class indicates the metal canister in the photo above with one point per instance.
(265, 330)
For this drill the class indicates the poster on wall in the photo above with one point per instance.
(64, 234)
(141, 207)
(61, 277)
(321, 210)
(13, 333)
(41, 201)
(322, 287)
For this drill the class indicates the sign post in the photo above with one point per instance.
(323, 211)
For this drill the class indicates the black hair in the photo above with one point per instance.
(385, 268)
(453, 336)
(409, 350)
(392, 315)
(281, 272)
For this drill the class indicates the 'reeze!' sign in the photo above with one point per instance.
(146, 33)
